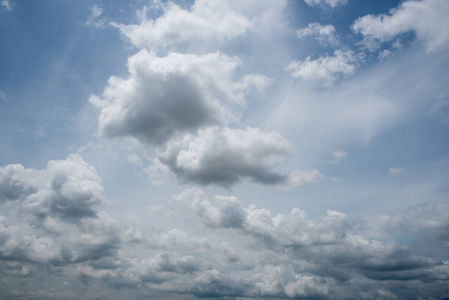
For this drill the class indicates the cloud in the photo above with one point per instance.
(68, 188)
(396, 171)
(227, 214)
(256, 253)
(325, 68)
(171, 95)
(206, 19)
(339, 154)
(427, 222)
(335, 249)
(326, 3)
(56, 208)
(95, 18)
(7, 5)
(427, 18)
(325, 34)
(225, 156)
(3, 96)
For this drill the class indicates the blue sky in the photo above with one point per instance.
(224, 149)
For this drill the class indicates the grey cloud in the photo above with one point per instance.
(186, 264)
(12, 187)
(68, 188)
(428, 223)
(334, 250)
(176, 94)
(225, 156)
(255, 254)
(56, 206)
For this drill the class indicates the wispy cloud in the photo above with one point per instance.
(7, 5)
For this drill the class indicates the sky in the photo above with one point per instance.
(204, 149)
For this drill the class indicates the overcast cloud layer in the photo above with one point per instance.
(224, 149)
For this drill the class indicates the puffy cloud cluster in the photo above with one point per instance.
(427, 18)
(336, 249)
(56, 206)
(176, 94)
(206, 19)
(224, 156)
(66, 188)
(257, 253)
(184, 102)
(325, 68)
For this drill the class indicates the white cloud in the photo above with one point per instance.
(396, 171)
(332, 249)
(7, 5)
(325, 68)
(325, 34)
(69, 188)
(326, 3)
(427, 18)
(225, 156)
(256, 252)
(56, 208)
(339, 154)
(300, 178)
(166, 96)
(95, 18)
(157, 172)
(206, 19)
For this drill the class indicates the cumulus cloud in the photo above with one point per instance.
(427, 18)
(175, 94)
(326, 3)
(325, 68)
(69, 188)
(325, 34)
(206, 19)
(56, 206)
(334, 249)
(225, 156)
(257, 253)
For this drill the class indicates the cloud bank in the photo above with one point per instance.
(259, 254)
